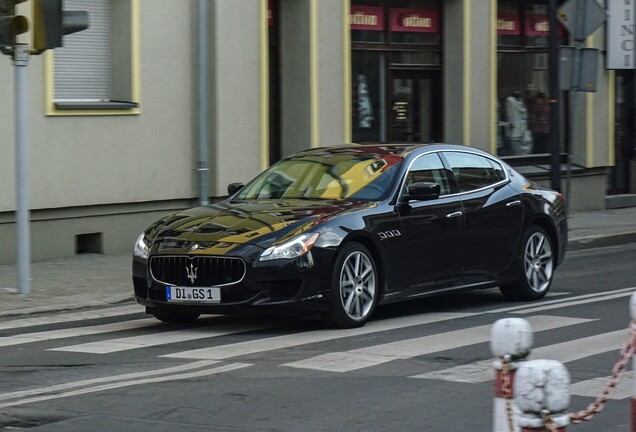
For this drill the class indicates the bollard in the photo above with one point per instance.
(632, 311)
(510, 342)
(542, 394)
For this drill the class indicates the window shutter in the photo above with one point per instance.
(83, 64)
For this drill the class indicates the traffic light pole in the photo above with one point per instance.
(20, 61)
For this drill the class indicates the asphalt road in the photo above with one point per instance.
(423, 366)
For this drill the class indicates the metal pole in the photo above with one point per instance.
(203, 168)
(568, 176)
(555, 135)
(20, 61)
(573, 93)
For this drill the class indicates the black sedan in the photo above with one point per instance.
(341, 230)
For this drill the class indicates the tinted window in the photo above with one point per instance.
(473, 171)
(333, 175)
(429, 169)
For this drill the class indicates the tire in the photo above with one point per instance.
(355, 288)
(535, 268)
(173, 317)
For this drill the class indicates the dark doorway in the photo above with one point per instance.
(415, 106)
(624, 133)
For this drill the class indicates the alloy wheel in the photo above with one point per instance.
(538, 262)
(357, 285)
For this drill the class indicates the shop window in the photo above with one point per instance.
(368, 87)
(523, 83)
(94, 68)
(388, 37)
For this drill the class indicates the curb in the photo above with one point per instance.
(589, 242)
(113, 300)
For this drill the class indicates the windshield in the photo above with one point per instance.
(327, 176)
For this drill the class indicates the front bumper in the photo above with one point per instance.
(303, 283)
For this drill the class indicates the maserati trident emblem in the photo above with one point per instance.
(192, 273)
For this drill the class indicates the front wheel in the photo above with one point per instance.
(355, 287)
(536, 267)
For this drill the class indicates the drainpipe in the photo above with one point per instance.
(203, 168)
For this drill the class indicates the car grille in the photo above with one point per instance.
(197, 271)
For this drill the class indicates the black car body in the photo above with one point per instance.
(340, 230)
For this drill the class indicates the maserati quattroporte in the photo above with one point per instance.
(341, 230)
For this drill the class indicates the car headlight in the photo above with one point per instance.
(291, 249)
(141, 247)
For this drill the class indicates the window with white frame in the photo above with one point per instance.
(93, 70)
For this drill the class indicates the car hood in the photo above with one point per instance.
(221, 227)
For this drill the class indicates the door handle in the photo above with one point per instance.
(513, 203)
(455, 214)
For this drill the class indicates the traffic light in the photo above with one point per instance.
(11, 24)
(51, 22)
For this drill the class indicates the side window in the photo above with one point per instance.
(428, 168)
(473, 171)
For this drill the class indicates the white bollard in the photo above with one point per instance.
(542, 387)
(510, 339)
(632, 311)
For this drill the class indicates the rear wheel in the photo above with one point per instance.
(173, 317)
(354, 286)
(536, 267)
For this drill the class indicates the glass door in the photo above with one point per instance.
(415, 106)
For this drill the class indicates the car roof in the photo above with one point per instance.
(400, 150)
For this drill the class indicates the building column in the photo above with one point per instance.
(239, 91)
(470, 68)
(312, 78)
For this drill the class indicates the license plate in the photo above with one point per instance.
(193, 295)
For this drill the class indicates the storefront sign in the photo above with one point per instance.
(508, 24)
(620, 34)
(366, 18)
(400, 111)
(414, 20)
(538, 25)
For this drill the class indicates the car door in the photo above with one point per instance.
(427, 250)
(493, 213)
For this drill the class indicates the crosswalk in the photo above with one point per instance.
(231, 345)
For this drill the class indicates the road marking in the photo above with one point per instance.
(564, 352)
(564, 302)
(377, 354)
(572, 303)
(77, 331)
(134, 382)
(305, 338)
(595, 386)
(150, 340)
(85, 383)
(69, 317)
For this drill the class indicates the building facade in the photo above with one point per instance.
(161, 104)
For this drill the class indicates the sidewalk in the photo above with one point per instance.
(97, 280)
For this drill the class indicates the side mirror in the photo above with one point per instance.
(421, 191)
(233, 188)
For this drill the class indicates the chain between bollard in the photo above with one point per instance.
(547, 421)
(626, 353)
(506, 380)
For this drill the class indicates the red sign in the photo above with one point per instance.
(270, 14)
(366, 18)
(508, 24)
(538, 25)
(414, 20)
